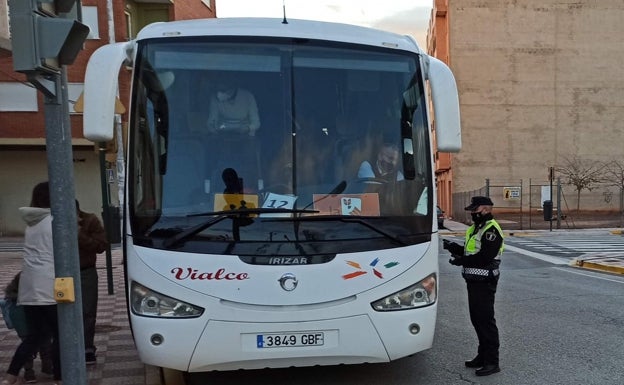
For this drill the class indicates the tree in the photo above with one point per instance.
(583, 174)
(614, 176)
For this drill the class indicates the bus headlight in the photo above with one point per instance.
(148, 303)
(421, 294)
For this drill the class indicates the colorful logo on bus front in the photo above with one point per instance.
(221, 274)
(375, 268)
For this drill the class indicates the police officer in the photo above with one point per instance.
(480, 258)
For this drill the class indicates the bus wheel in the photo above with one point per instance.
(171, 377)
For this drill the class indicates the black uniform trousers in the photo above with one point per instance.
(89, 287)
(481, 307)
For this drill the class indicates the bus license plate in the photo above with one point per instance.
(289, 340)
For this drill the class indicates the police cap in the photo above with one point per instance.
(479, 201)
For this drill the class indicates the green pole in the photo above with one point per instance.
(65, 223)
(106, 214)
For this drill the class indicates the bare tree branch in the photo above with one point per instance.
(583, 174)
(614, 174)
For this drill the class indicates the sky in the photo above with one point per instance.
(406, 17)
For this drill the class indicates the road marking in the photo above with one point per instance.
(542, 257)
(610, 259)
(589, 275)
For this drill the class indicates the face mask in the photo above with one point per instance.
(385, 167)
(476, 217)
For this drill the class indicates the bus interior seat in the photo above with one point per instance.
(183, 183)
(353, 147)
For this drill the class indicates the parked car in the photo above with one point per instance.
(440, 217)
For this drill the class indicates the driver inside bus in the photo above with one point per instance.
(385, 165)
(233, 110)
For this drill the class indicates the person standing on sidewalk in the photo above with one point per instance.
(36, 285)
(91, 241)
(18, 322)
(480, 260)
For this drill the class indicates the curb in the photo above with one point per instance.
(152, 375)
(600, 263)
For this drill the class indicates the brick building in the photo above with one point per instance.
(22, 129)
(540, 81)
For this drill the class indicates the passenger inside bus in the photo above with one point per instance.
(384, 166)
(233, 110)
(233, 122)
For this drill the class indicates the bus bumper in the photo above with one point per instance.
(232, 345)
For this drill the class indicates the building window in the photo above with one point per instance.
(129, 29)
(90, 19)
(74, 90)
(15, 96)
(4, 22)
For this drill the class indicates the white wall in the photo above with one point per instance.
(22, 170)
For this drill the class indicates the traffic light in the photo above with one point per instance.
(44, 36)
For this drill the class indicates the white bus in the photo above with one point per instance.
(267, 247)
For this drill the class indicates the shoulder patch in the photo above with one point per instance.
(490, 236)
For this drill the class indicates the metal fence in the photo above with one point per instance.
(523, 204)
(462, 199)
(507, 196)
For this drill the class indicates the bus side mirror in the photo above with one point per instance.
(445, 106)
(100, 91)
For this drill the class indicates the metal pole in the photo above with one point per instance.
(521, 203)
(558, 203)
(550, 177)
(65, 228)
(121, 170)
(530, 204)
(106, 214)
(621, 207)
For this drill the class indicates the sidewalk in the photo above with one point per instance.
(117, 359)
(610, 262)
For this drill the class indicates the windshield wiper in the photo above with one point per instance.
(374, 228)
(220, 216)
(346, 219)
(261, 210)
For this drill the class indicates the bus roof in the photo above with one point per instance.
(273, 27)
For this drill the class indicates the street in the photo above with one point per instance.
(267, 178)
(558, 325)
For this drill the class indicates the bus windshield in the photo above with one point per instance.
(254, 146)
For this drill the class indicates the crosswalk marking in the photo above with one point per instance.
(571, 246)
(11, 247)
